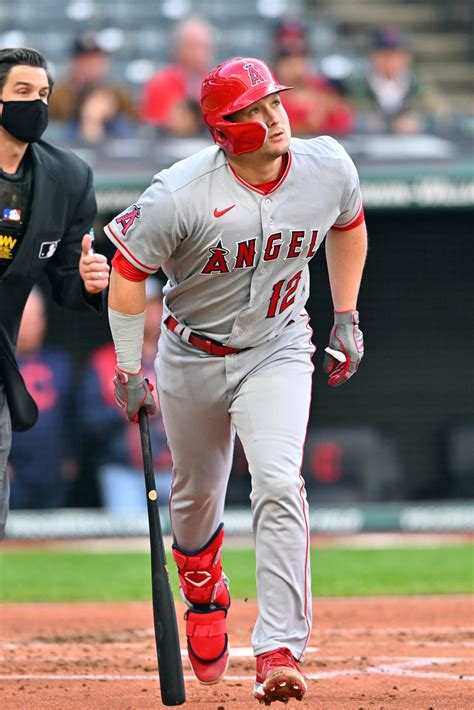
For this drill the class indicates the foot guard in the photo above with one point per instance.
(204, 588)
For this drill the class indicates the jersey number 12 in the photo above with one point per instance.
(278, 306)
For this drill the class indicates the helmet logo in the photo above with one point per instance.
(254, 75)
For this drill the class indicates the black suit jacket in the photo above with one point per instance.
(62, 210)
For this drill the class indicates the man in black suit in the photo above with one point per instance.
(47, 209)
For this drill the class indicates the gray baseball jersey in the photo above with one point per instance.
(237, 259)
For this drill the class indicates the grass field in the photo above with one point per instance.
(63, 576)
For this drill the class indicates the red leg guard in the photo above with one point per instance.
(204, 588)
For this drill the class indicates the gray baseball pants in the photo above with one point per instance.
(262, 394)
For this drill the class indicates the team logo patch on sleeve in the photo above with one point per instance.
(127, 220)
(47, 249)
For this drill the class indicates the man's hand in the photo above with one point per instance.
(347, 338)
(93, 268)
(132, 392)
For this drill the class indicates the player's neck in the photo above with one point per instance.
(256, 172)
(11, 152)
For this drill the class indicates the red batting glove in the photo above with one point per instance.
(132, 392)
(347, 339)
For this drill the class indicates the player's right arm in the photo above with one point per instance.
(126, 296)
(127, 303)
(146, 234)
(140, 252)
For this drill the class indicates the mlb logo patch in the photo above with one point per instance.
(12, 215)
(47, 249)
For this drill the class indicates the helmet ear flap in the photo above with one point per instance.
(219, 136)
(240, 138)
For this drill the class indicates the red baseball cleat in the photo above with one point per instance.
(278, 677)
(208, 650)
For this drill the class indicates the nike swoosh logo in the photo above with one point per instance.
(219, 213)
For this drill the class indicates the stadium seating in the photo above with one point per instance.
(141, 31)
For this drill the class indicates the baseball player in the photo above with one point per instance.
(234, 228)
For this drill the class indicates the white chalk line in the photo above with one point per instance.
(235, 652)
(404, 630)
(399, 667)
(442, 644)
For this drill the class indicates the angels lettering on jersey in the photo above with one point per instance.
(244, 256)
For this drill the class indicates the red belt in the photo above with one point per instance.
(209, 346)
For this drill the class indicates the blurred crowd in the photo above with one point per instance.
(77, 413)
(382, 93)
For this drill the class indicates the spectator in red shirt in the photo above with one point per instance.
(193, 49)
(314, 106)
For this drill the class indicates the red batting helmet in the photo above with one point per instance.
(229, 87)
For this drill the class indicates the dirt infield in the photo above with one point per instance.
(413, 653)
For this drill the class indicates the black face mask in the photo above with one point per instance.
(25, 120)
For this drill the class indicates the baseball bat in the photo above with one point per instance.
(168, 650)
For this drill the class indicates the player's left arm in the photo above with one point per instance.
(346, 252)
(345, 255)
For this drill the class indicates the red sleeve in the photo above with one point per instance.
(358, 219)
(123, 267)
